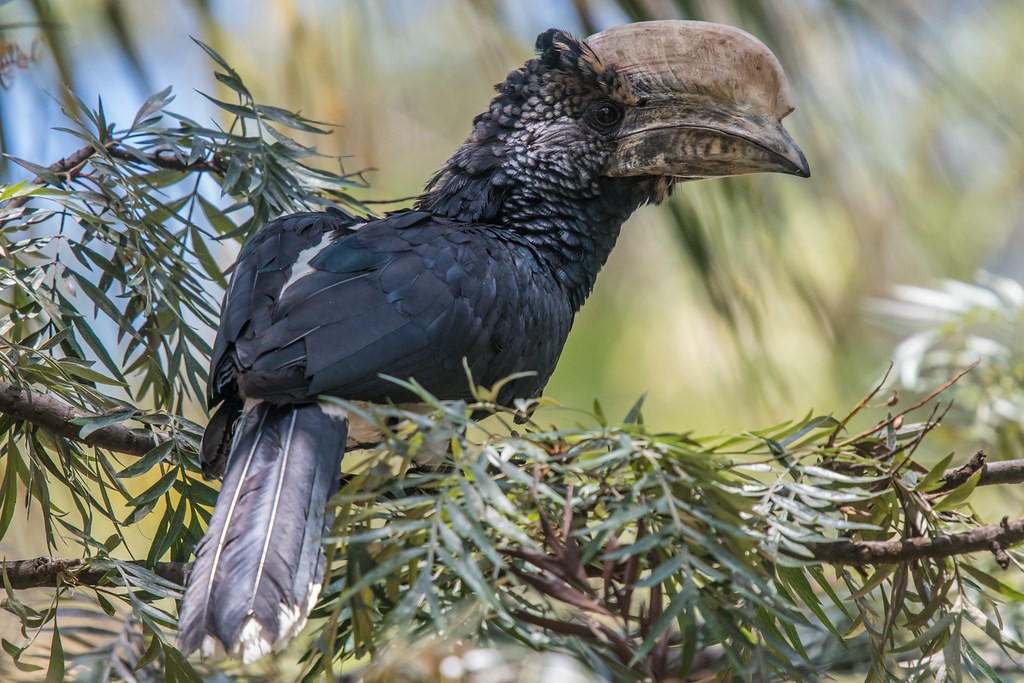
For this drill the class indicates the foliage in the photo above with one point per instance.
(108, 282)
(959, 324)
(637, 551)
(641, 554)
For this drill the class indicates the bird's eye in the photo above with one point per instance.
(603, 115)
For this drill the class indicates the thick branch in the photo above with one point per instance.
(993, 537)
(54, 415)
(50, 572)
(1001, 472)
(43, 572)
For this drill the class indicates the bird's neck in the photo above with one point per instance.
(573, 235)
(573, 230)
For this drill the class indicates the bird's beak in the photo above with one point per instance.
(707, 101)
(702, 139)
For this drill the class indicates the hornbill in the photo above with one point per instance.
(485, 273)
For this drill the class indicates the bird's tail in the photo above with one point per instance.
(259, 568)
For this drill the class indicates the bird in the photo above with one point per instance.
(480, 278)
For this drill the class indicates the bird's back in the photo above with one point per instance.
(321, 305)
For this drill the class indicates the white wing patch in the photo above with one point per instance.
(301, 267)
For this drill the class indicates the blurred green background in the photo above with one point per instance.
(740, 304)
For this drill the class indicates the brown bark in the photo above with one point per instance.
(992, 537)
(51, 572)
(54, 415)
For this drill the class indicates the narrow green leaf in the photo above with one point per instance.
(198, 492)
(681, 601)
(177, 666)
(938, 628)
(80, 370)
(146, 462)
(18, 189)
(663, 571)
(646, 543)
(94, 423)
(150, 655)
(933, 479)
(794, 578)
(291, 119)
(992, 583)
(469, 527)
(874, 581)
(215, 56)
(232, 81)
(55, 670)
(634, 416)
(233, 175)
(818, 574)
(980, 662)
(239, 110)
(9, 487)
(93, 342)
(156, 490)
(100, 300)
(382, 570)
(12, 650)
(42, 172)
(475, 582)
(958, 496)
(153, 104)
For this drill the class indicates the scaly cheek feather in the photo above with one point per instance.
(662, 189)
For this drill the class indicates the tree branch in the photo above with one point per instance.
(43, 572)
(54, 415)
(1000, 472)
(69, 166)
(169, 160)
(993, 537)
(51, 572)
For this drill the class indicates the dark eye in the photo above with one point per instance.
(603, 115)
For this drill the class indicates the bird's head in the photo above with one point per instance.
(625, 113)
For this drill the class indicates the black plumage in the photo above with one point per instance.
(485, 273)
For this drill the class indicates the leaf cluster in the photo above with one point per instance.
(110, 264)
(643, 554)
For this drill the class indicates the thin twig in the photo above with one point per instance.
(55, 416)
(69, 167)
(924, 401)
(859, 407)
(169, 160)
